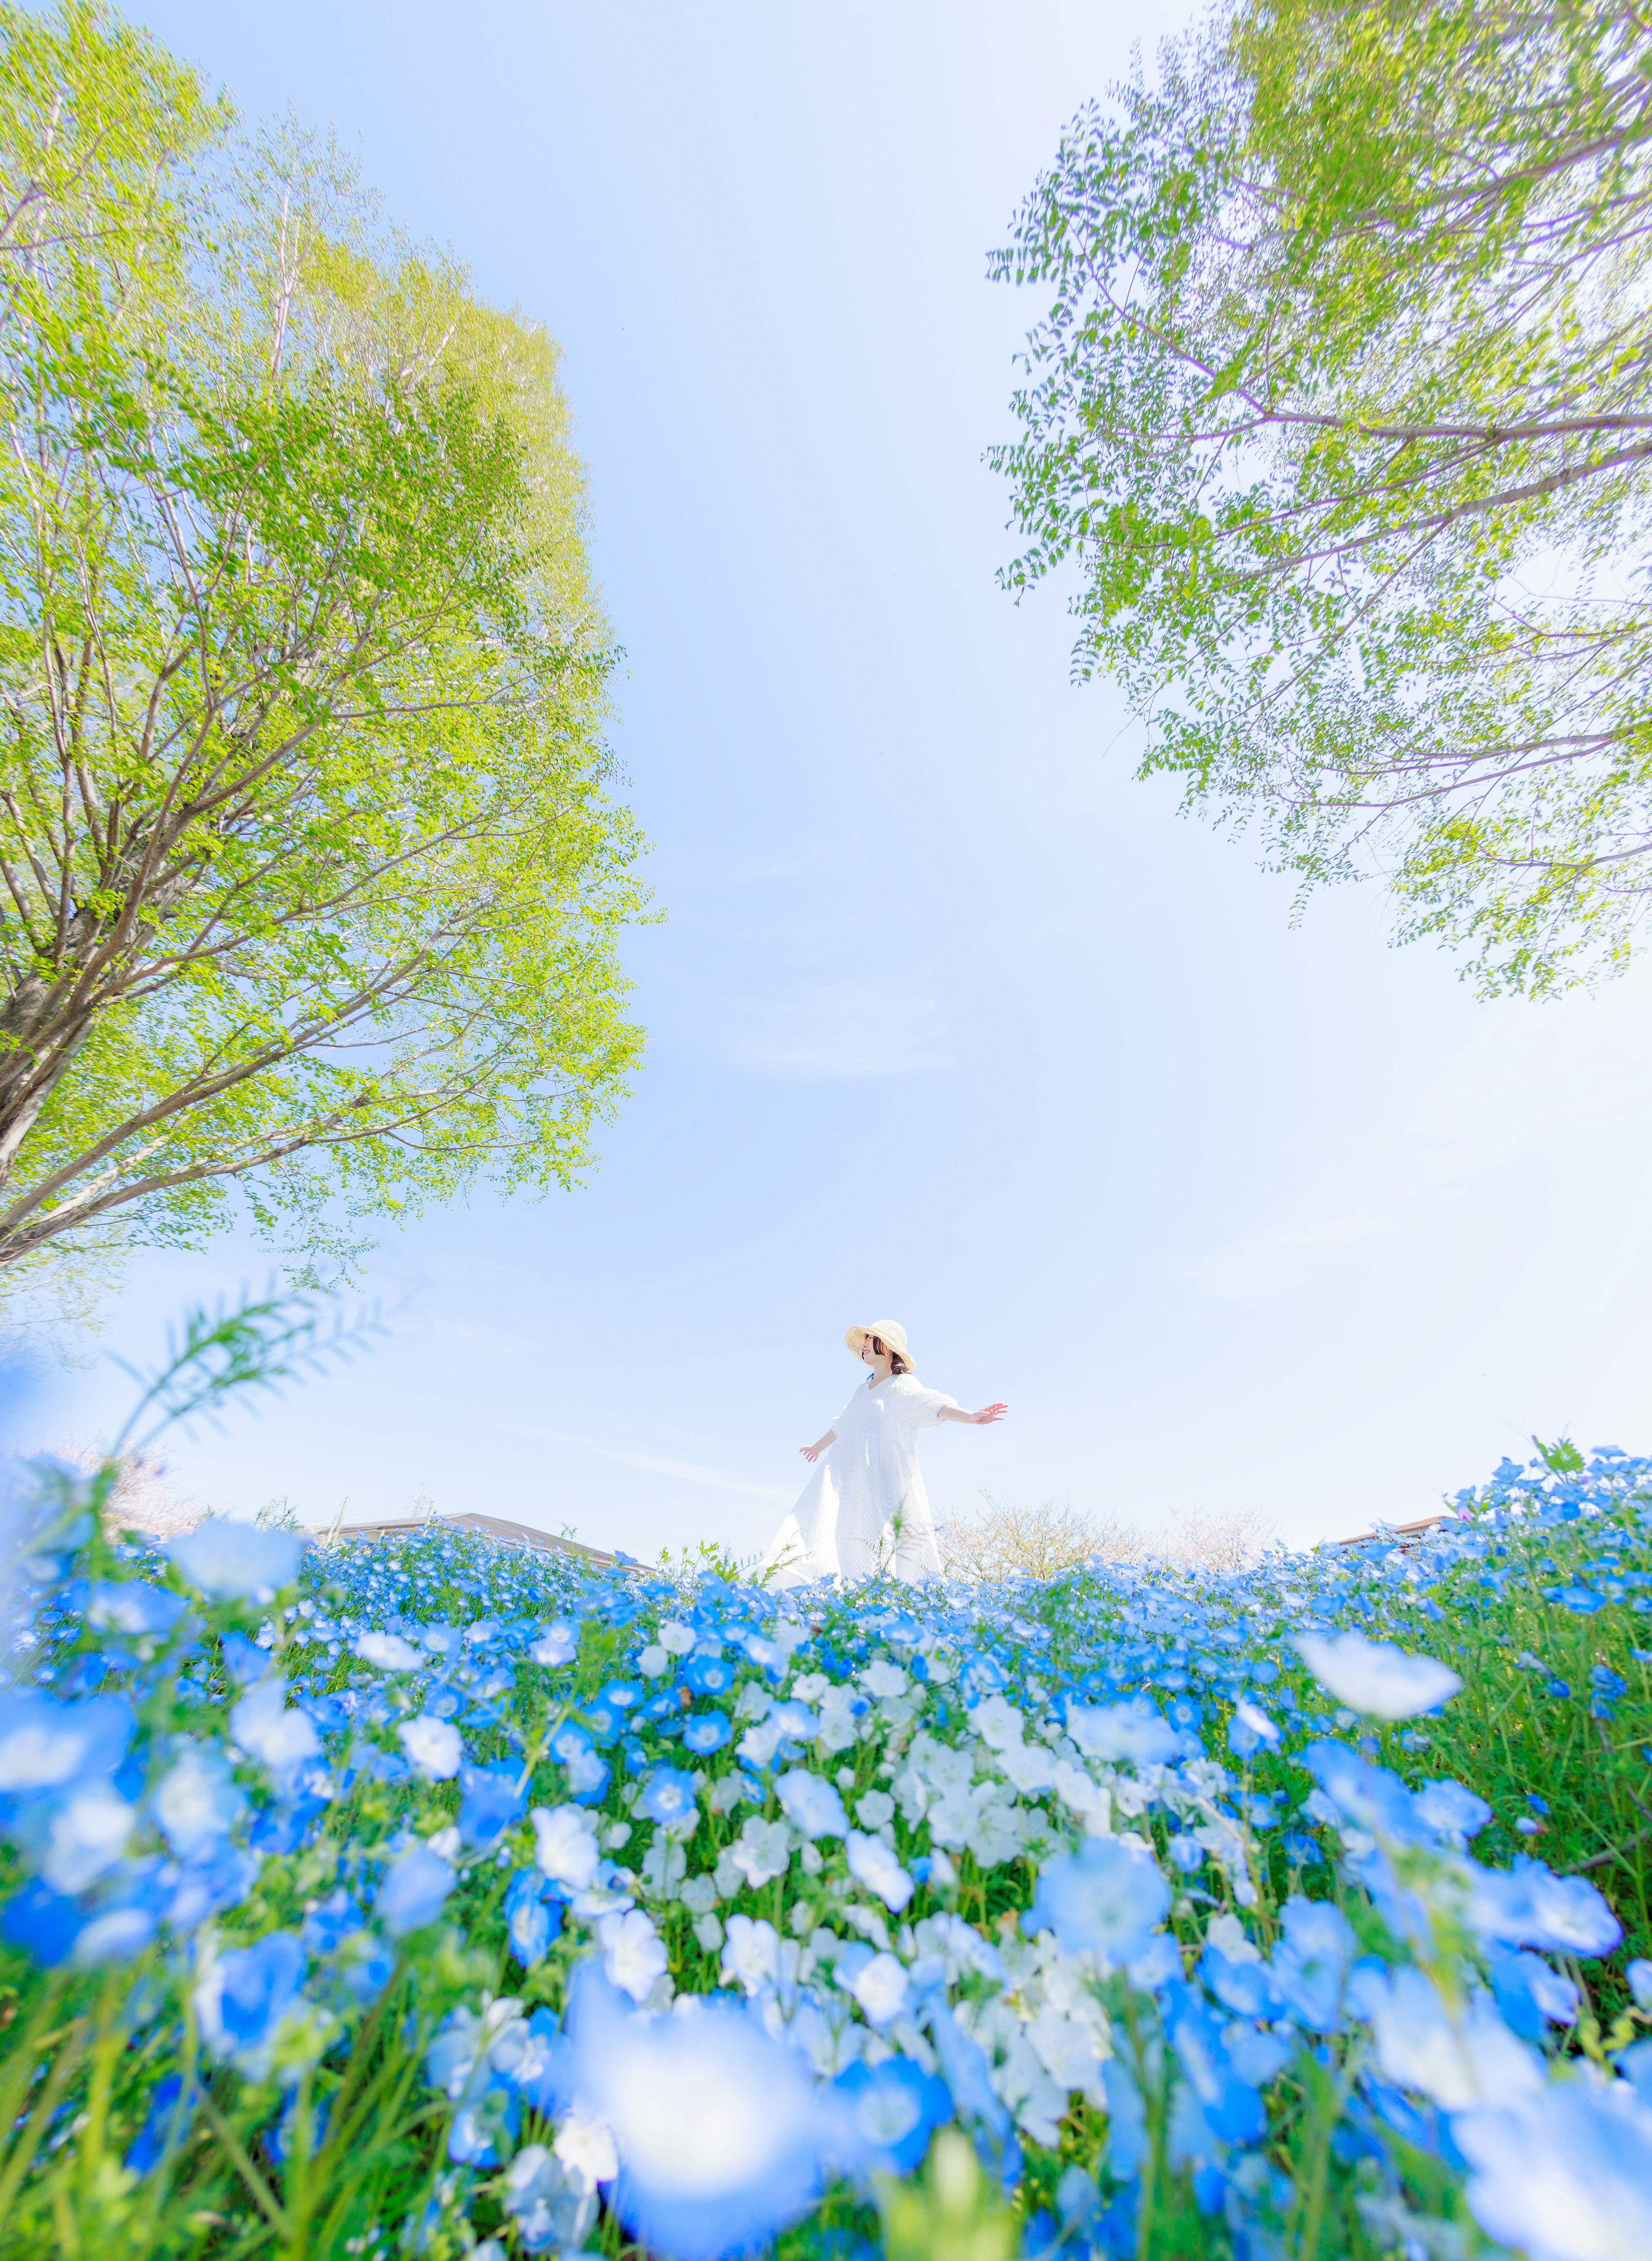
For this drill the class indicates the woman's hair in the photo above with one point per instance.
(897, 1364)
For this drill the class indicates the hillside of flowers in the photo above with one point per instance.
(432, 1897)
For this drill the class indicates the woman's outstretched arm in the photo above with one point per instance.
(812, 1452)
(988, 1413)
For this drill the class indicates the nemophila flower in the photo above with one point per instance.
(1131, 1734)
(1107, 1898)
(532, 1918)
(873, 1864)
(245, 1998)
(558, 1644)
(1370, 1797)
(388, 1651)
(1250, 1730)
(707, 1731)
(811, 1805)
(1639, 1976)
(1312, 1961)
(237, 1562)
(1582, 1600)
(565, 1847)
(708, 1676)
(750, 1953)
(197, 1802)
(133, 1607)
(668, 1797)
(763, 1851)
(549, 2205)
(433, 1746)
(415, 1890)
(493, 1796)
(633, 1953)
(653, 1660)
(1457, 2055)
(1530, 1993)
(723, 2138)
(894, 2107)
(587, 1774)
(170, 2116)
(879, 1986)
(1451, 1810)
(1531, 1907)
(280, 1736)
(676, 1638)
(45, 1744)
(1565, 2175)
(1374, 1676)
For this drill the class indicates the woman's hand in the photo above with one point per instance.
(988, 1413)
(812, 1452)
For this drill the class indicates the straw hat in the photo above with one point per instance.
(890, 1333)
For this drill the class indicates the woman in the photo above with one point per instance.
(864, 1507)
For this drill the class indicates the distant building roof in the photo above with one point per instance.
(514, 1535)
(1404, 1534)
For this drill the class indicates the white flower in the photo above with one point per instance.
(565, 1846)
(87, 1838)
(881, 1989)
(280, 1738)
(1374, 1677)
(997, 1722)
(875, 1809)
(433, 1745)
(586, 2149)
(874, 1866)
(387, 1650)
(758, 1744)
(810, 1687)
(196, 1802)
(677, 1638)
(1029, 1766)
(811, 1803)
(708, 1931)
(652, 1661)
(764, 1851)
(751, 1955)
(633, 1952)
(883, 1679)
(841, 1711)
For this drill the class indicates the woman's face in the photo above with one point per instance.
(870, 1350)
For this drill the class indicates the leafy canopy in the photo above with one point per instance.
(1344, 406)
(309, 877)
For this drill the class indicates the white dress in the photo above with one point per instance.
(864, 1507)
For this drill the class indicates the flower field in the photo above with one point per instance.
(433, 1898)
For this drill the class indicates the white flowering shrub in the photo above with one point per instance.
(433, 1898)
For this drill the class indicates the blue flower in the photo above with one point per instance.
(244, 1997)
(167, 2124)
(1312, 1961)
(46, 1745)
(237, 1562)
(134, 1608)
(707, 1731)
(668, 1797)
(415, 1890)
(532, 1918)
(894, 2107)
(708, 1676)
(493, 1797)
(1531, 1907)
(723, 2136)
(1107, 1897)
(1572, 2164)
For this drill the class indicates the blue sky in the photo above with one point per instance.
(949, 1019)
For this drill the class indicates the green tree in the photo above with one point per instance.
(310, 879)
(1344, 408)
